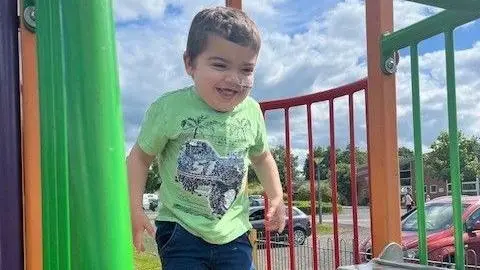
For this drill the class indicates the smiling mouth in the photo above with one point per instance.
(227, 93)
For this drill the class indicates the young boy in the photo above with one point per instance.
(204, 137)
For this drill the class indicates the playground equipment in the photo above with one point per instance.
(390, 259)
(62, 155)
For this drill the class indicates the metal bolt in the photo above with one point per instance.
(390, 65)
(30, 16)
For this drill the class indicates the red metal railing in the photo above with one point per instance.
(307, 100)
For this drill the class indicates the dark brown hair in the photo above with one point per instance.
(229, 23)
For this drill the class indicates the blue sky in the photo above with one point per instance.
(308, 46)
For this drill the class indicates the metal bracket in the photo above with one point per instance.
(389, 61)
(29, 15)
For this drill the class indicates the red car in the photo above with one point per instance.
(440, 232)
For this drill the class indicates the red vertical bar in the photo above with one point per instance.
(288, 166)
(313, 189)
(267, 232)
(353, 180)
(333, 183)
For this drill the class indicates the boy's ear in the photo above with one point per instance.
(188, 64)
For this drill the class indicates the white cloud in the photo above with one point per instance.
(407, 13)
(263, 7)
(127, 10)
(328, 50)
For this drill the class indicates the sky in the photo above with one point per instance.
(307, 47)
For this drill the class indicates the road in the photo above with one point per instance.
(346, 217)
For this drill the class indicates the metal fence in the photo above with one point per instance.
(280, 258)
(329, 98)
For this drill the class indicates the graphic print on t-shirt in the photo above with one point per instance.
(203, 172)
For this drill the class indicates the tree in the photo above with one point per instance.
(279, 155)
(252, 176)
(437, 162)
(342, 158)
(153, 178)
(405, 156)
(322, 159)
(404, 153)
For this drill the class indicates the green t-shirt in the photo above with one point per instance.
(204, 157)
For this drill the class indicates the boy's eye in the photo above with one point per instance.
(219, 65)
(248, 70)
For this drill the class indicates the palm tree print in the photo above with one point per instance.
(240, 127)
(198, 125)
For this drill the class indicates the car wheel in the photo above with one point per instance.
(299, 237)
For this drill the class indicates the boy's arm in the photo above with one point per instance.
(138, 163)
(267, 172)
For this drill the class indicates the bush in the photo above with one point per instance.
(326, 207)
(302, 193)
(255, 188)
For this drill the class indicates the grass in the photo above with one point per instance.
(255, 189)
(324, 228)
(147, 260)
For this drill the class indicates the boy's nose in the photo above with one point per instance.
(233, 78)
(239, 80)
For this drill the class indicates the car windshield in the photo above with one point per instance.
(438, 216)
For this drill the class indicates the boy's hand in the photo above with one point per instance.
(140, 224)
(276, 215)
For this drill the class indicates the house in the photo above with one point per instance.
(433, 187)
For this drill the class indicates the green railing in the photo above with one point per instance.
(457, 13)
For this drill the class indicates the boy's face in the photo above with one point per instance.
(223, 73)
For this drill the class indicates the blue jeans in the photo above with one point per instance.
(179, 249)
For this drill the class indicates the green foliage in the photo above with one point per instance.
(279, 155)
(405, 156)
(153, 178)
(322, 169)
(255, 188)
(302, 192)
(326, 207)
(252, 176)
(437, 162)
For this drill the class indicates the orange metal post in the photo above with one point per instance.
(31, 153)
(382, 132)
(234, 3)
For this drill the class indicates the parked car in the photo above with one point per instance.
(256, 200)
(301, 227)
(150, 201)
(440, 231)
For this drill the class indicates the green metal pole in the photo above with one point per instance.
(419, 175)
(466, 5)
(454, 152)
(54, 139)
(83, 156)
